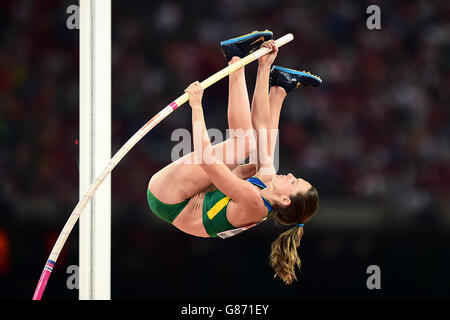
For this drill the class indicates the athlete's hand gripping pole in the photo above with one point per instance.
(48, 268)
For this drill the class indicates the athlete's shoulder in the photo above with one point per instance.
(240, 215)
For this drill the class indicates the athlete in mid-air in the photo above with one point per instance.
(210, 198)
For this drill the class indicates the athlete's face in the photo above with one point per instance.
(287, 185)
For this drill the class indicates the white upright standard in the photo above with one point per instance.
(95, 148)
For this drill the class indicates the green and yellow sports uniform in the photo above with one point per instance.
(214, 212)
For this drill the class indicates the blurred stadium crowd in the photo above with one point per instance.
(375, 133)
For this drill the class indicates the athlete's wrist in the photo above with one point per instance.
(264, 65)
(196, 106)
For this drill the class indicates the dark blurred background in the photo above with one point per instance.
(373, 139)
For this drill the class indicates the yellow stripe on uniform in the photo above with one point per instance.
(217, 207)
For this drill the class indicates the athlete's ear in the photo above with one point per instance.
(285, 200)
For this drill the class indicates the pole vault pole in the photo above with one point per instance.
(48, 268)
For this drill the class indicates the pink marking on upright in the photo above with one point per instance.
(41, 285)
(174, 106)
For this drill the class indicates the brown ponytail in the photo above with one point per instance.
(284, 256)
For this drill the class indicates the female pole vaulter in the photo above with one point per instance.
(210, 198)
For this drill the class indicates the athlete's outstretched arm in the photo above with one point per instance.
(245, 171)
(261, 116)
(220, 175)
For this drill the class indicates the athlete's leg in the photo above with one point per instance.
(183, 178)
(239, 116)
(276, 99)
(271, 111)
(283, 81)
(266, 107)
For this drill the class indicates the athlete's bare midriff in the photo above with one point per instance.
(190, 219)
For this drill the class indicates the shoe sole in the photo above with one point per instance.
(292, 71)
(248, 35)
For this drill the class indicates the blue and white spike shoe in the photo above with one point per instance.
(290, 79)
(244, 45)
